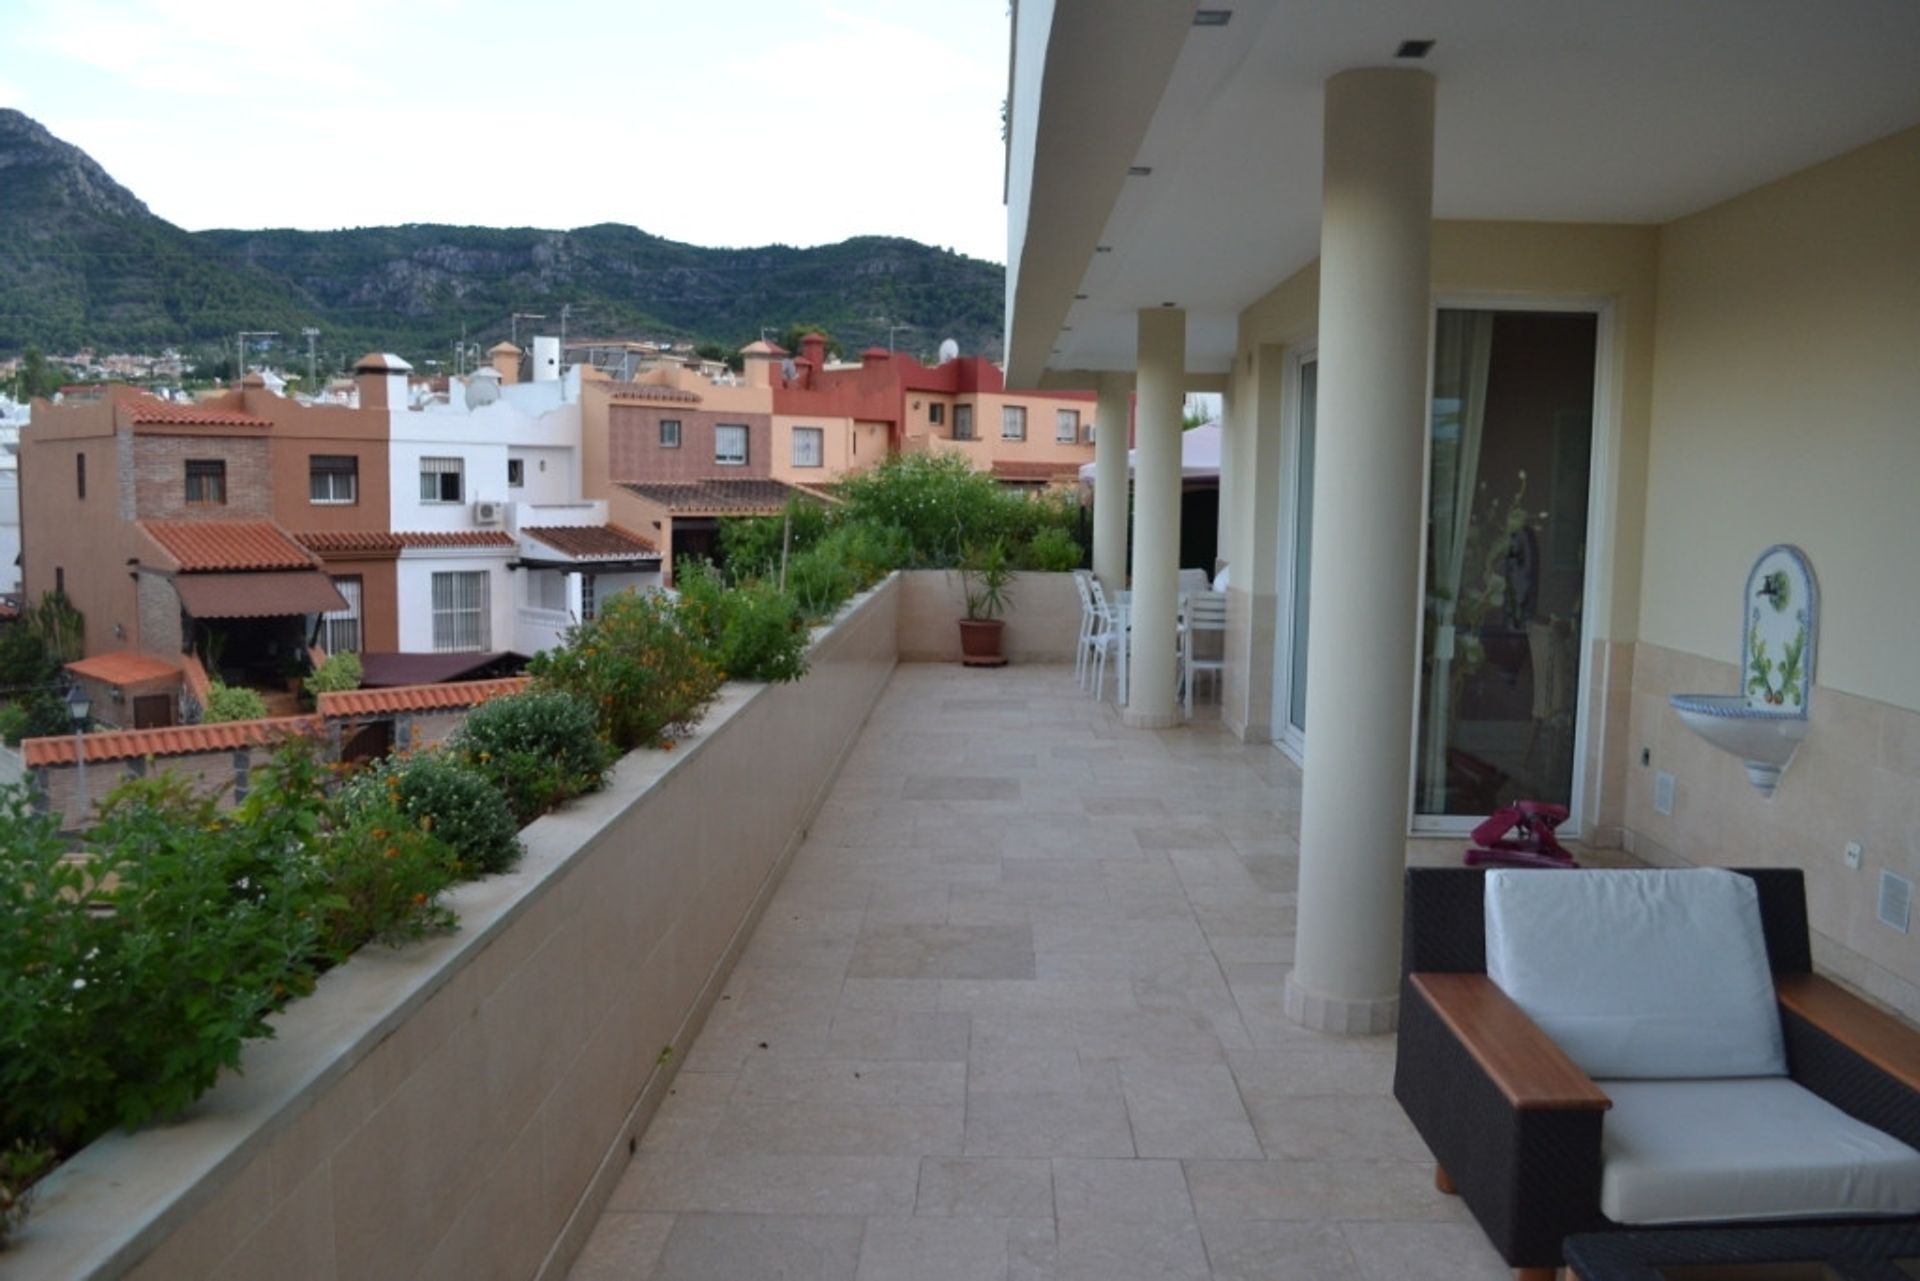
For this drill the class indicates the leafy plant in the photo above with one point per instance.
(538, 748)
(59, 627)
(753, 631)
(752, 546)
(384, 875)
(232, 703)
(986, 579)
(339, 672)
(645, 675)
(21, 1166)
(439, 793)
(821, 581)
(1053, 549)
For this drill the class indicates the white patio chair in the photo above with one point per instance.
(1109, 633)
(1082, 649)
(1206, 616)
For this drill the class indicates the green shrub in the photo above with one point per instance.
(938, 502)
(538, 748)
(646, 676)
(438, 792)
(20, 1168)
(871, 552)
(754, 631)
(1053, 549)
(24, 661)
(232, 703)
(339, 672)
(129, 980)
(13, 724)
(751, 546)
(385, 874)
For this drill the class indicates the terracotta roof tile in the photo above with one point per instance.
(198, 546)
(1004, 469)
(592, 542)
(719, 497)
(175, 740)
(379, 540)
(160, 412)
(416, 698)
(124, 667)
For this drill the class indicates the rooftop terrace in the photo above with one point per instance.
(1015, 1012)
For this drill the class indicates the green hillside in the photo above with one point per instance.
(83, 262)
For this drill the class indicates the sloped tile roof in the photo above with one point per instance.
(175, 740)
(124, 667)
(204, 546)
(1004, 469)
(718, 497)
(379, 540)
(592, 542)
(164, 413)
(416, 698)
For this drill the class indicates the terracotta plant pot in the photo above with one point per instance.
(980, 642)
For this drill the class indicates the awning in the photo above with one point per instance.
(263, 595)
(383, 670)
(1199, 455)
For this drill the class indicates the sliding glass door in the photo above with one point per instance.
(1290, 669)
(1505, 561)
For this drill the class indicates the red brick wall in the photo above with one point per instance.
(634, 452)
(160, 477)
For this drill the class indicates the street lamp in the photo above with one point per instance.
(78, 705)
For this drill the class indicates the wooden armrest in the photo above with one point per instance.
(1876, 1036)
(1530, 1070)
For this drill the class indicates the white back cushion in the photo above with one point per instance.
(1639, 973)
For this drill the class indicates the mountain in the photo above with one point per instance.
(84, 262)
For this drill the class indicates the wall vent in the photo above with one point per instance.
(1896, 900)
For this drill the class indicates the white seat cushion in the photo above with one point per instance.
(1759, 1148)
(1656, 974)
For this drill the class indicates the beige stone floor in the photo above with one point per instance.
(1016, 1013)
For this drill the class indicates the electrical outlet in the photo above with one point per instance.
(1662, 792)
(1896, 900)
(1853, 855)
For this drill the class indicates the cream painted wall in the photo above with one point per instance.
(1786, 408)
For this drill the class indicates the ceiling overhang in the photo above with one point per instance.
(1640, 111)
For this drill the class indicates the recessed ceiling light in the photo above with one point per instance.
(1413, 49)
(1211, 17)
(1139, 171)
(1079, 297)
(1103, 249)
(1169, 304)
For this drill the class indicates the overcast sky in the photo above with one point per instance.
(720, 124)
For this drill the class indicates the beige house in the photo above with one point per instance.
(1531, 343)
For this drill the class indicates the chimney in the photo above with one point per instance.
(813, 347)
(505, 359)
(760, 359)
(381, 379)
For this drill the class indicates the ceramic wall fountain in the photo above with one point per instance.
(1780, 621)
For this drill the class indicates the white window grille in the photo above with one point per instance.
(730, 445)
(442, 480)
(589, 595)
(460, 612)
(551, 587)
(1066, 427)
(808, 446)
(1013, 422)
(333, 479)
(669, 433)
(340, 628)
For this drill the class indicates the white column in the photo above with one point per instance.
(1160, 387)
(1110, 482)
(1375, 229)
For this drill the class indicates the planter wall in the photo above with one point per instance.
(1043, 617)
(462, 1108)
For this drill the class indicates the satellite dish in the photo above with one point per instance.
(483, 387)
(949, 350)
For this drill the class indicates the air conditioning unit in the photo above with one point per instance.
(489, 513)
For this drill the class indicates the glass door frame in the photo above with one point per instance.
(1602, 496)
(1286, 737)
